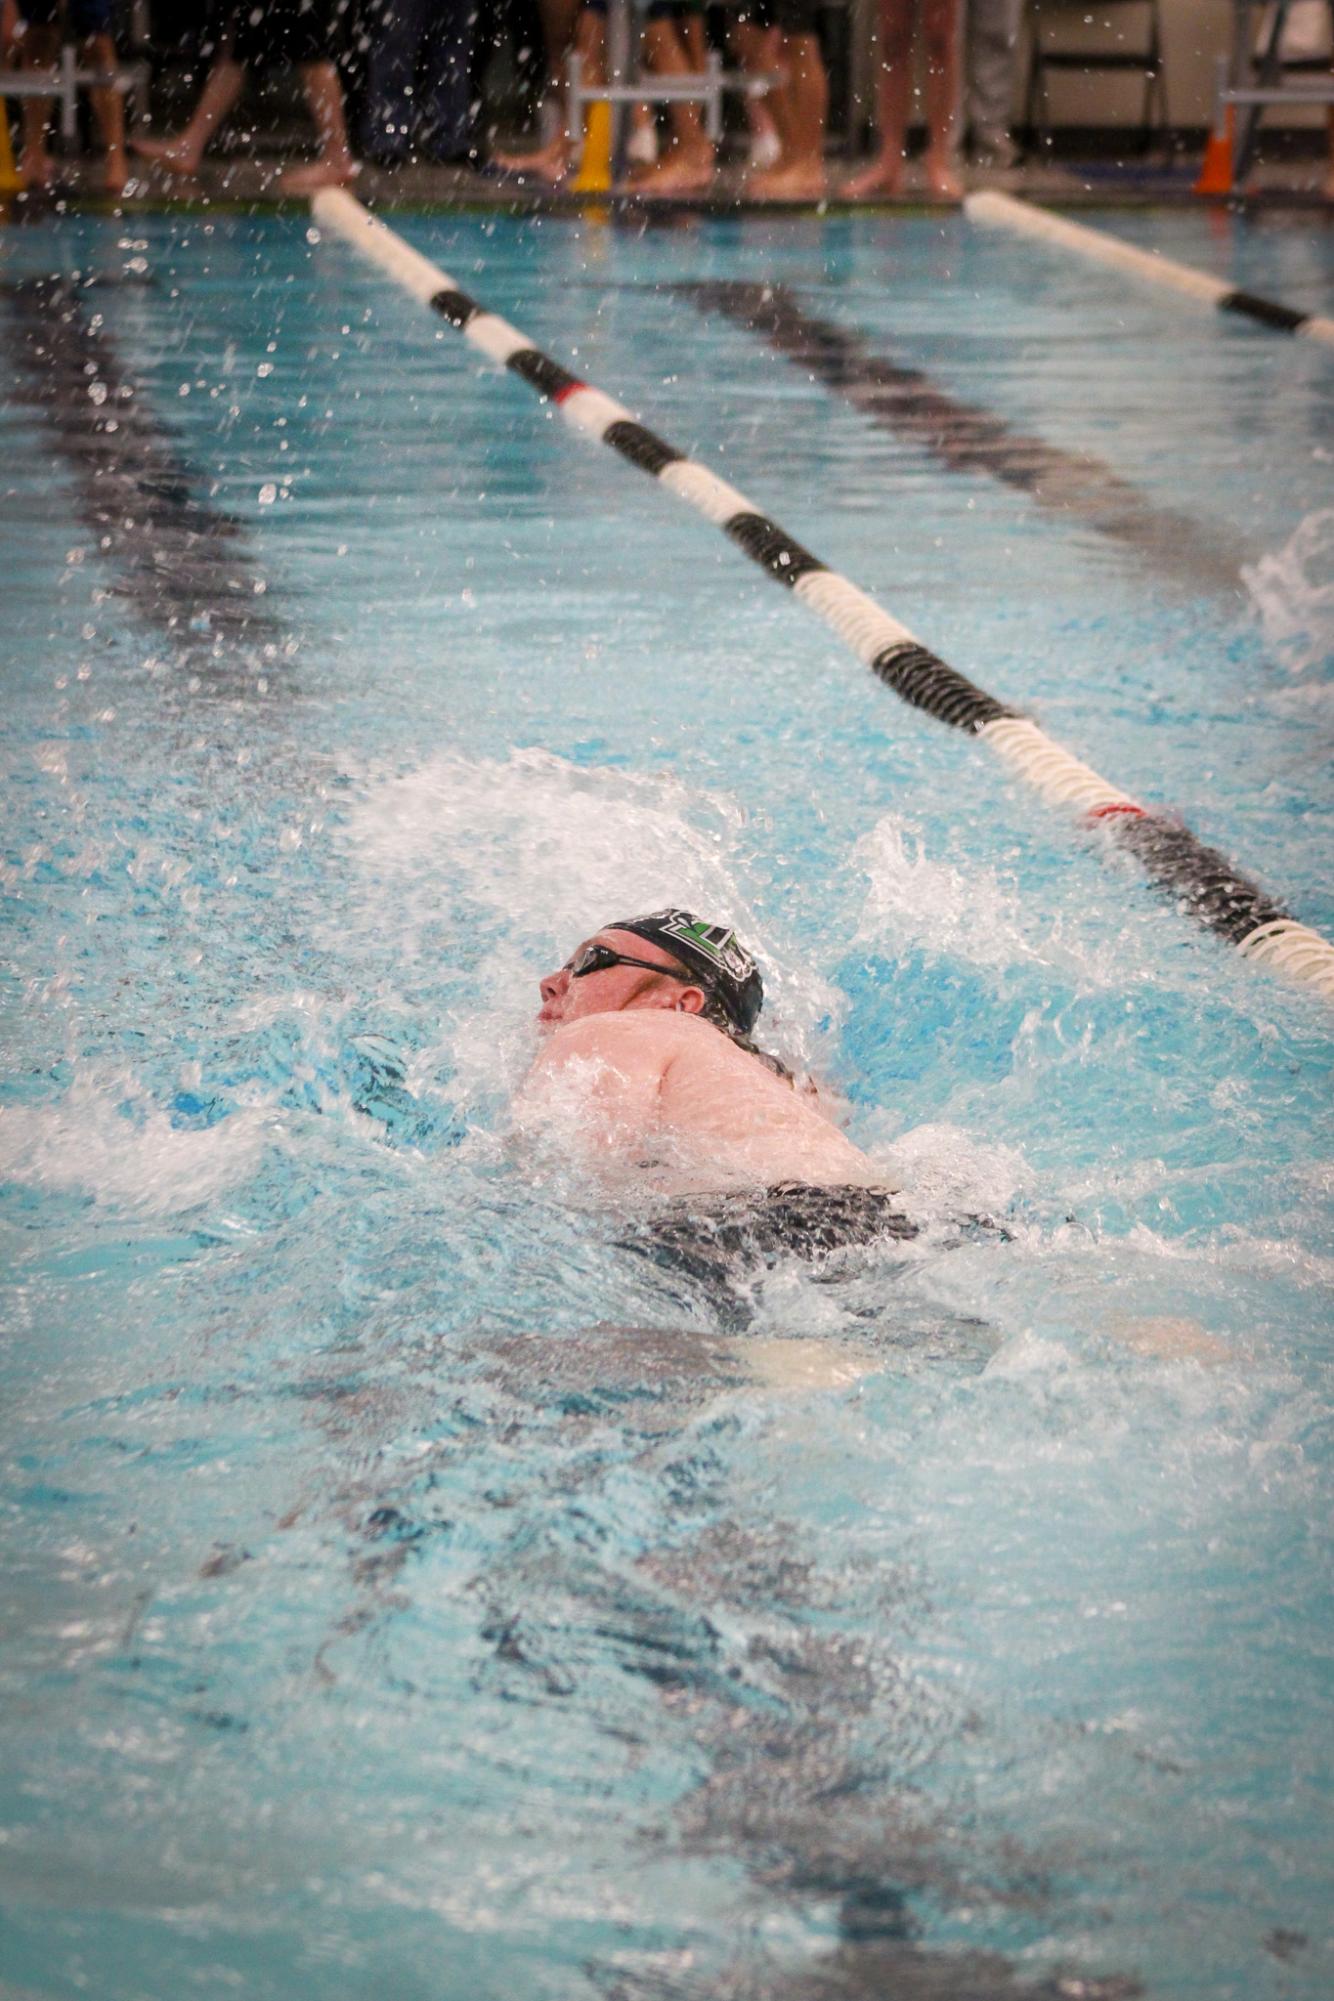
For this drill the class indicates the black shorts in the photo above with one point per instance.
(281, 32)
(717, 1236)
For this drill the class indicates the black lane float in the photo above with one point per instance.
(1199, 879)
(990, 206)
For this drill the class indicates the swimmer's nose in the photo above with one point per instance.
(554, 984)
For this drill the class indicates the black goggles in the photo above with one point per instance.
(601, 958)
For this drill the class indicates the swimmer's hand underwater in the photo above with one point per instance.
(650, 1021)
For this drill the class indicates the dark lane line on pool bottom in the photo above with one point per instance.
(185, 566)
(726, 1646)
(962, 437)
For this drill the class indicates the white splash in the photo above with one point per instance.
(946, 1172)
(100, 1140)
(545, 851)
(1293, 594)
(545, 841)
(915, 900)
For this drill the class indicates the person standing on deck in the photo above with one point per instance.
(282, 31)
(418, 93)
(941, 33)
(90, 21)
(993, 35)
(800, 107)
(674, 50)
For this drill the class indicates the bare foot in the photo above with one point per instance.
(942, 177)
(799, 180)
(550, 163)
(172, 155)
(336, 172)
(37, 168)
(880, 176)
(681, 173)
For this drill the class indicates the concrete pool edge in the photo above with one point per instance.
(228, 184)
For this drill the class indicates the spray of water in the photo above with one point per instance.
(1293, 594)
(105, 1138)
(532, 853)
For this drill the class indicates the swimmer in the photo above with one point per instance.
(648, 1026)
(647, 1035)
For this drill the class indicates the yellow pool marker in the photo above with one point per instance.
(594, 175)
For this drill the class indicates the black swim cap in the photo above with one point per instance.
(725, 968)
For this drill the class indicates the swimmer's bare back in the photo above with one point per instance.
(671, 1086)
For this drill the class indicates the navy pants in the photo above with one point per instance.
(417, 89)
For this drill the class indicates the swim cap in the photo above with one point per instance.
(725, 968)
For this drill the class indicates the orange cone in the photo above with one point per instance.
(1216, 171)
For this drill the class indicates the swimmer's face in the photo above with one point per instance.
(614, 988)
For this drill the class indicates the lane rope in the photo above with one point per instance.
(1198, 878)
(966, 438)
(989, 206)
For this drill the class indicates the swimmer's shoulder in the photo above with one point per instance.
(633, 1034)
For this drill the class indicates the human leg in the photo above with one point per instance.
(183, 154)
(800, 174)
(993, 34)
(445, 31)
(40, 47)
(334, 165)
(563, 29)
(941, 25)
(390, 68)
(688, 167)
(756, 42)
(884, 171)
(109, 111)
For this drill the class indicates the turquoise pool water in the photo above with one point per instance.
(410, 1592)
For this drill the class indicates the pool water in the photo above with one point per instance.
(410, 1590)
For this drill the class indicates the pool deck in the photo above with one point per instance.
(243, 181)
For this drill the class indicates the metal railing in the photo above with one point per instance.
(67, 79)
(1248, 82)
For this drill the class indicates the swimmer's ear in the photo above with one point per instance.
(689, 1000)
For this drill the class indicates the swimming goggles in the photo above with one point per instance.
(601, 958)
